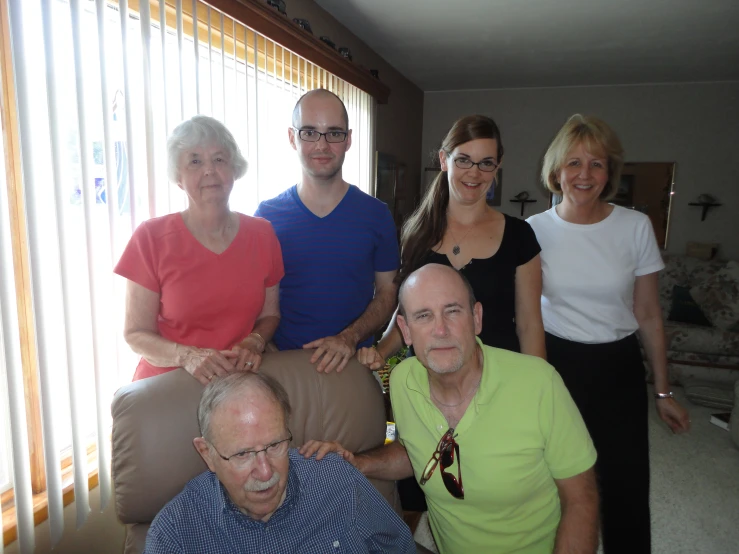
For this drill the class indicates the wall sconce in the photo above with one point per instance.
(523, 199)
(279, 5)
(303, 24)
(327, 40)
(706, 201)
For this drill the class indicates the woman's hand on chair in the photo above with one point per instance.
(370, 358)
(206, 363)
(247, 355)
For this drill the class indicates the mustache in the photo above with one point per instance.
(256, 485)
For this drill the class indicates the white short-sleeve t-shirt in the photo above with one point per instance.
(589, 273)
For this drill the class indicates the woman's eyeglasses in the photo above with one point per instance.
(444, 456)
(488, 166)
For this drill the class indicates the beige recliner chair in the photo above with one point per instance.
(155, 420)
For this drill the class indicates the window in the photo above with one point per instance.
(6, 276)
(100, 85)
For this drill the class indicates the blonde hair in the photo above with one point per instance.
(598, 138)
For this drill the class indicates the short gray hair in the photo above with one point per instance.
(221, 389)
(198, 130)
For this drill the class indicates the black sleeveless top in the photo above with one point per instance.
(493, 280)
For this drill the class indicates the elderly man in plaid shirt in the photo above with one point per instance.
(260, 496)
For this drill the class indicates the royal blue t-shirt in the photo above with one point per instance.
(330, 262)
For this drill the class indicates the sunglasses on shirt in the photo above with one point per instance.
(444, 456)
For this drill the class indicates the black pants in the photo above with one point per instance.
(606, 382)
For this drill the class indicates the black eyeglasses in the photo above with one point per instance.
(488, 166)
(311, 135)
(245, 458)
(444, 456)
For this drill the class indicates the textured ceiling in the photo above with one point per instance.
(475, 44)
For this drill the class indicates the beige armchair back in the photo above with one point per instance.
(155, 420)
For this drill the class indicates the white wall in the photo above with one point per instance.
(102, 533)
(695, 125)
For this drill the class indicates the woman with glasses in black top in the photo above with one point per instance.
(497, 253)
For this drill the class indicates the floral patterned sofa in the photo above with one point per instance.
(702, 345)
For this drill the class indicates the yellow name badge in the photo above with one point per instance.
(390, 433)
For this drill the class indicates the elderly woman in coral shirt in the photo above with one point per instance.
(203, 284)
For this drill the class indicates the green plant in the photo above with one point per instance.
(390, 364)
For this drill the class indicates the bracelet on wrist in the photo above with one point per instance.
(261, 338)
(663, 395)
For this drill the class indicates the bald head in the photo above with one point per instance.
(429, 273)
(439, 317)
(322, 94)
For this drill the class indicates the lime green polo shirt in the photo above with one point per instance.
(520, 432)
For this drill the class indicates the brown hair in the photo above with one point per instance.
(427, 225)
(597, 137)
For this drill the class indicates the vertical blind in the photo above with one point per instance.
(99, 85)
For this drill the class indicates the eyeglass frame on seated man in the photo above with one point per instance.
(244, 463)
(343, 135)
(446, 448)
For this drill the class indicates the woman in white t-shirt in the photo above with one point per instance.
(599, 266)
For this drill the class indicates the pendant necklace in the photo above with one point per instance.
(456, 248)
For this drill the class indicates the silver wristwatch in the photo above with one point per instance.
(659, 395)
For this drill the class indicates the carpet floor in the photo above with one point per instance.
(695, 486)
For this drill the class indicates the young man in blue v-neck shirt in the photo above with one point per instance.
(339, 244)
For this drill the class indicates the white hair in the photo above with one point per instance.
(199, 130)
(220, 389)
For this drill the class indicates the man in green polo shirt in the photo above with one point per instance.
(493, 436)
